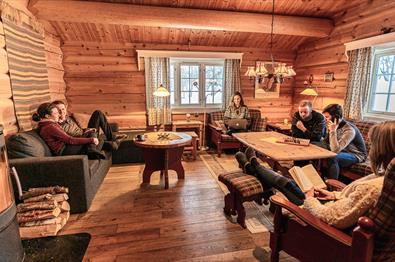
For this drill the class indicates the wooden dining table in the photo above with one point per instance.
(269, 150)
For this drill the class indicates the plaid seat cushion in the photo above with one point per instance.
(216, 116)
(228, 138)
(258, 125)
(247, 185)
(227, 178)
(362, 169)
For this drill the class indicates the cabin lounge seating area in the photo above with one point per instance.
(139, 130)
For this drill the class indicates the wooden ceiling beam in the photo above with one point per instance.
(152, 16)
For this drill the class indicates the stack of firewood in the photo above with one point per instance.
(44, 211)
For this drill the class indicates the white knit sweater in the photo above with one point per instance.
(352, 202)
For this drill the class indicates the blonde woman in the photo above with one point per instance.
(345, 207)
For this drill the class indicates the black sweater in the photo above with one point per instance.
(316, 127)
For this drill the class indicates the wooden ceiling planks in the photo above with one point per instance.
(315, 8)
(95, 32)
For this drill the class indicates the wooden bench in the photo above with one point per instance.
(242, 188)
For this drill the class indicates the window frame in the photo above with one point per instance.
(369, 112)
(202, 63)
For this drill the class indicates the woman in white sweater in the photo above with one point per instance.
(345, 207)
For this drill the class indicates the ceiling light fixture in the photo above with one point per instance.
(277, 70)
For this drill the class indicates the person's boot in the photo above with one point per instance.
(251, 156)
(244, 164)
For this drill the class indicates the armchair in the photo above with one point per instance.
(307, 238)
(223, 141)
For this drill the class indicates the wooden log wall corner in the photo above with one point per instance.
(7, 112)
(104, 76)
(52, 58)
(328, 54)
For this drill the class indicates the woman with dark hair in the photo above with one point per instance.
(58, 141)
(236, 110)
(344, 139)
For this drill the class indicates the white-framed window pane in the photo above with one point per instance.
(194, 71)
(184, 71)
(185, 85)
(194, 85)
(218, 98)
(391, 105)
(194, 98)
(209, 71)
(383, 83)
(380, 102)
(184, 98)
(385, 64)
(219, 72)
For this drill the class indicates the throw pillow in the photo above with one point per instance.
(27, 144)
(82, 119)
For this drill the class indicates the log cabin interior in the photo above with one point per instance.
(113, 55)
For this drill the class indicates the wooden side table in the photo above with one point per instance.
(194, 125)
(193, 147)
(163, 154)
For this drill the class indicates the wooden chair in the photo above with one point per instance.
(307, 238)
(223, 141)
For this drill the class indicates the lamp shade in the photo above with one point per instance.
(309, 92)
(161, 91)
(250, 72)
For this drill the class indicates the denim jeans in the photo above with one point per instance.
(339, 161)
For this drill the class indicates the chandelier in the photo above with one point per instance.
(276, 70)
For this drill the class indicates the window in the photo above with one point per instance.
(195, 83)
(382, 92)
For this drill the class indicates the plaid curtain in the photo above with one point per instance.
(157, 72)
(232, 80)
(358, 82)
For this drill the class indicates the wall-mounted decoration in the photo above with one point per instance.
(329, 77)
(268, 86)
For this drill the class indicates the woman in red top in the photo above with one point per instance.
(58, 141)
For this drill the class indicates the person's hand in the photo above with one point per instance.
(323, 194)
(332, 126)
(89, 130)
(95, 141)
(300, 126)
(310, 193)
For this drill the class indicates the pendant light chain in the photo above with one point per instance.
(271, 35)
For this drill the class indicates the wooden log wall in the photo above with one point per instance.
(105, 76)
(54, 56)
(7, 112)
(328, 54)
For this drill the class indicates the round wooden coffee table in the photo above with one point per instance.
(162, 153)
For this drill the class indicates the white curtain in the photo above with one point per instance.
(232, 80)
(358, 81)
(157, 73)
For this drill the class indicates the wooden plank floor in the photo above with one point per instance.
(184, 223)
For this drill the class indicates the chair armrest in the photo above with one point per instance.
(311, 220)
(216, 128)
(335, 184)
(259, 125)
(69, 171)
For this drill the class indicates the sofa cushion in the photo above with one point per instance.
(27, 144)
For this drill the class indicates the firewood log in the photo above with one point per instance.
(39, 198)
(64, 206)
(32, 192)
(43, 205)
(61, 197)
(37, 215)
(39, 231)
(56, 220)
